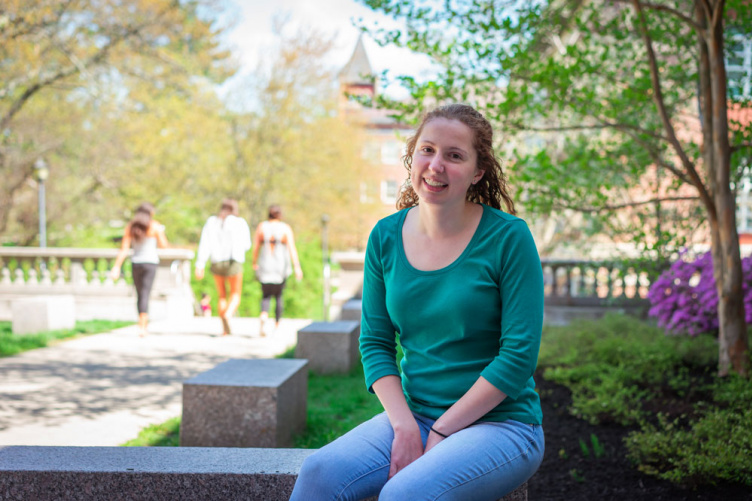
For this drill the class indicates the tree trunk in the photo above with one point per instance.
(727, 266)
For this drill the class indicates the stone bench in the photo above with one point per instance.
(329, 347)
(43, 313)
(245, 403)
(154, 473)
(148, 473)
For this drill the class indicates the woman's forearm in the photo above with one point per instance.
(481, 398)
(389, 391)
(125, 247)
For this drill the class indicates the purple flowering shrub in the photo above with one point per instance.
(684, 298)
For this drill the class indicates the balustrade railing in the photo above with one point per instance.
(51, 268)
(85, 275)
(593, 283)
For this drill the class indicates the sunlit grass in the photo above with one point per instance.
(166, 434)
(12, 344)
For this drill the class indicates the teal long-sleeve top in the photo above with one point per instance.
(480, 316)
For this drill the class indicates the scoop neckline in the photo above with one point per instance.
(450, 266)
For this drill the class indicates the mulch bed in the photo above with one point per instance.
(567, 475)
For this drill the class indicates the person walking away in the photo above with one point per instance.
(144, 234)
(274, 259)
(225, 240)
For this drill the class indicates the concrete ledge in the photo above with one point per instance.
(148, 473)
(329, 347)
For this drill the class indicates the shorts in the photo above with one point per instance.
(227, 268)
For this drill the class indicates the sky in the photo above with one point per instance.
(252, 33)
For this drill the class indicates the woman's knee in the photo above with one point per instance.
(318, 473)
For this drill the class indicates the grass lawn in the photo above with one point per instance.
(336, 404)
(12, 344)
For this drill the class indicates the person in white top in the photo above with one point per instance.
(274, 259)
(225, 240)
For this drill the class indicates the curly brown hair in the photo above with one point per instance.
(492, 188)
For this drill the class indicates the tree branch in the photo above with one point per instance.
(605, 208)
(66, 72)
(706, 7)
(660, 104)
(602, 125)
(663, 8)
(630, 130)
(718, 11)
(740, 146)
(660, 161)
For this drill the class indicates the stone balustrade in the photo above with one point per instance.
(84, 274)
(588, 283)
(589, 289)
(573, 288)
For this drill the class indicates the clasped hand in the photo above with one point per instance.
(407, 447)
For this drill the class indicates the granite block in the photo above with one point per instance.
(245, 403)
(352, 310)
(43, 313)
(329, 347)
(148, 473)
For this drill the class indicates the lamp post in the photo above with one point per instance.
(41, 171)
(325, 258)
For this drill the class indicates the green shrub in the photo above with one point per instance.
(717, 446)
(617, 365)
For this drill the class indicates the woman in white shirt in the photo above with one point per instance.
(225, 240)
(274, 259)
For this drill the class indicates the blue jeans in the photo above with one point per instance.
(483, 461)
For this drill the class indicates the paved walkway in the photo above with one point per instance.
(101, 390)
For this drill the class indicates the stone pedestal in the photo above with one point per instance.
(329, 347)
(352, 309)
(245, 403)
(43, 313)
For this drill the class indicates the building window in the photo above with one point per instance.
(391, 153)
(371, 151)
(364, 195)
(744, 206)
(739, 67)
(389, 191)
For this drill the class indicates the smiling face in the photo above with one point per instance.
(444, 162)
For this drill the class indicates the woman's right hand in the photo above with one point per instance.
(115, 273)
(407, 446)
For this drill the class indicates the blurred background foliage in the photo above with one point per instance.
(120, 100)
